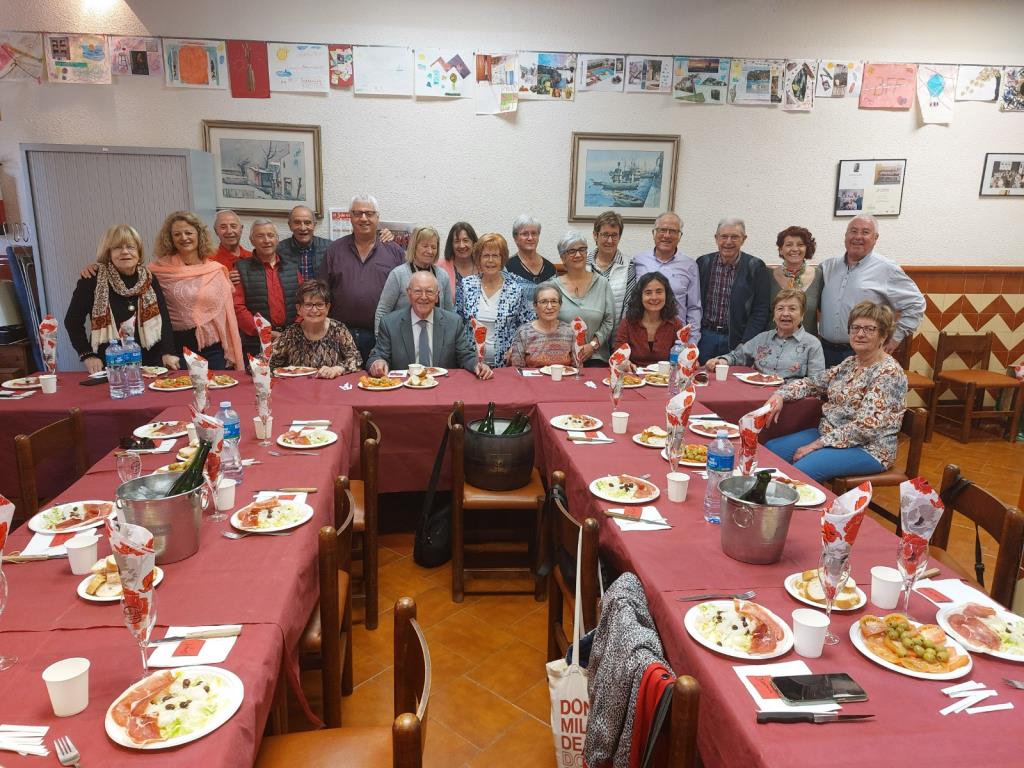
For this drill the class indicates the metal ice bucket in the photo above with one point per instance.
(755, 533)
(173, 521)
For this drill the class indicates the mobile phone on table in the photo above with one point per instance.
(835, 687)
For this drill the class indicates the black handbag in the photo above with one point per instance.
(433, 544)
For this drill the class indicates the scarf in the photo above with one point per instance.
(147, 313)
(795, 277)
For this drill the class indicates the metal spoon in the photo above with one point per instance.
(718, 596)
(297, 453)
(243, 534)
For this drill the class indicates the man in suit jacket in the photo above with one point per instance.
(446, 344)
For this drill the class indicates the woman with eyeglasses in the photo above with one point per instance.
(864, 400)
(587, 295)
(650, 321)
(420, 256)
(547, 340)
(317, 341)
(609, 262)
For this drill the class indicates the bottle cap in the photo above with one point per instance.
(721, 432)
(225, 404)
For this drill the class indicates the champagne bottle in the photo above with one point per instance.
(516, 425)
(758, 494)
(192, 477)
(487, 425)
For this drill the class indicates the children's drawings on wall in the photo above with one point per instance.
(838, 79)
(195, 63)
(1011, 97)
(496, 83)
(136, 56)
(700, 80)
(340, 58)
(298, 67)
(649, 74)
(798, 84)
(977, 83)
(21, 56)
(545, 75)
(77, 59)
(935, 87)
(382, 70)
(247, 67)
(444, 73)
(756, 81)
(888, 86)
(601, 72)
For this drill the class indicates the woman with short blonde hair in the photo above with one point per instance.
(420, 256)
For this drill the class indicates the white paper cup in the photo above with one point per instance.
(809, 627)
(678, 484)
(193, 438)
(721, 372)
(48, 382)
(67, 682)
(82, 552)
(556, 372)
(886, 585)
(620, 422)
(664, 367)
(415, 369)
(224, 499)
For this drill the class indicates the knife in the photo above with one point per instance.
(286, 490)
(634, 519)
(206, 634)
(15, 557)
(806, 717)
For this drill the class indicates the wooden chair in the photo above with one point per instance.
(468, 497)
(66, 436)
(366, 502)
(975, 381)
(399, 745)
(564, 532)
(1005, 524)
(682, 735)
(916, 382)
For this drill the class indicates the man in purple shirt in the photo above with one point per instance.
(680, 270)
(355, 269)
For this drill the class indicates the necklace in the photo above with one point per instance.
(795, 277)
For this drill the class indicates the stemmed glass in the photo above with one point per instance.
(674, 448)
(616, 389)
(911, 560)
(577, 358)
(129, 465)
(833, 571)
(139, 611)
(6, 662)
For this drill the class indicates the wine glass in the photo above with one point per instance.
(911, 560)
(139, 611)
(263, 410)
(6, 662)
(674, 448)
(577, 358)
(833, 571)
(129, 465)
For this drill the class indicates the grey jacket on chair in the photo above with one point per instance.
(451, 346)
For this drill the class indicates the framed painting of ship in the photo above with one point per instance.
(633, 174)
(265, 169)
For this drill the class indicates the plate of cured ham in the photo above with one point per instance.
(271, 515)
(162, 429)
(709, 428)
(576, 422)
(25, 382)
(294, 371)
(738, 628)
(173, 707)
(71, 517)
(307, 438)
(916, 650)
(759, 379)
(985, 629)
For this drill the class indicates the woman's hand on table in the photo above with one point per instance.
(803, 450)
(775, 404)
(93, 364)
(710, 364)
(171, 362)
(329, 372)
(484, 372)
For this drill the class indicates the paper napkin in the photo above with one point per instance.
(24, 739)
(767, 699)
(530, 372)
(164, 446)
(49, 544)
(212, 651)
(955, 590)
(589, 438)
(649, 520)
(298, 498)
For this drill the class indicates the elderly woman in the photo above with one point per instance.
(865, 396)
(527, 263)
(796, 247)
(420, 256)
(547, 340)
(650, 321)
(787, 351)
(458, 252)
(199, 294)
(498, 300)
(317, 341)
(587, 295)
(609, 262)
(121, 288)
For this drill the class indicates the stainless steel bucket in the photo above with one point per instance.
(173, 521)
(755, 533)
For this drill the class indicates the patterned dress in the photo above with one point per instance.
(535, 349)
(514, 309)
(336, 348)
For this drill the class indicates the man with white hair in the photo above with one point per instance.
(355, 269)
(303, 247)
(678, 268)
(228, 228)
(267, 284)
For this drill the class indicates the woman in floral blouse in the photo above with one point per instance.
(865, 396)
(318, 341)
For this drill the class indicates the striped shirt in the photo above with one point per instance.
(716, 309)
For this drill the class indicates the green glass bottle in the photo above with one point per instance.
(758, 494)
(192, 477)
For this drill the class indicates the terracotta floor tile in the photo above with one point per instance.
(502, 610)
(444, 748)
(447, 665)
(510, 671)
(379, 643)
(372, 702)
(470, 636)
(528, 744)
(475, 713)
(398, 542)
(533, 628)
(536, 700)
(435, 605)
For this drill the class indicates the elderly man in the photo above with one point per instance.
(424, 334)
(862, 273)
(527, 263)
(303, 247)
(680, 270)
(356, 267)
(267, 284)
(734, 289)
(228, 228)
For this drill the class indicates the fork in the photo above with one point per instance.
(1018, 684)
(718, 596)
(66, 752)
(243, 534)
(297, 453)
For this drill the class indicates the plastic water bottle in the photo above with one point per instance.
(133, 366)
(114, 358)
(230, 458)
(673, 374)
(721, 459)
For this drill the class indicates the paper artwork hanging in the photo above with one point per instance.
(798, 84)
(496, 79)
(299, 67)
(77, 59)
(755, 81)
(977, 83)
(648, 74)
(838, 79)
(136, 56)
(444, 73)
(195, 63)
(1011, 98)
(545, 75)
(888, 86)
(340, 58)
(935, 87)
(340, 223)
(601, 72)
(870, 186)
(382, 70)
(247, 69)
(21, 56)
(700, 80)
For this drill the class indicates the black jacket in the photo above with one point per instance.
(748, 305)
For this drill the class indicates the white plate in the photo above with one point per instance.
(229, 701)
(567, 370)
(690, 624)
(408, 383)
(212, 385)
(652, 368)
(809, 495)
(155, 388)
(379, 389)
(305, 511)
(607, 382)
(146, 430)
(860, 645)
(436, 370)
(152, 371)
(746, 378)
(654, 383)
(684, 462)
(559, 422)
(790, 585)
(93, 599)
(36, 522)
(636, 500)
(942, 619)
(284, 373)
(332, 437)
(701, 428)
(659, 444)
(21, 383)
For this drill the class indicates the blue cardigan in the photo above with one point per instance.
(514, 309)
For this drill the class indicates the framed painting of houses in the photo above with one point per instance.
(632, 174)
(265, 169)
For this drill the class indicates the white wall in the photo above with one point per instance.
(435, 162)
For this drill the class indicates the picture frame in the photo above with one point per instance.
(869, 186)
(1002, 175)
(265, 169)
(633, 174)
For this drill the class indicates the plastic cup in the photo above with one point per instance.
(620, 422)
(67, 682)
(721, 372)
(416, 370)
(678, 484)
(82, 553)
(556, 372)
(809, 627)
(886, 585)
(664, 367)
(48, 383)
(193, 438)
(224, 499)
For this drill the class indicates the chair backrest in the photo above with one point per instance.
(915, 426)
(50, 441)
(334, 553)
(412, 686)
(902, 352)
(682, 744)
(975, 349)
(565, 532)
(1004, 523)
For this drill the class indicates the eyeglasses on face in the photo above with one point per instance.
(429, 292)
(855, 329)
(666, 231)
(318, 306)
(363, 214)
(547, 302)
(575, 251)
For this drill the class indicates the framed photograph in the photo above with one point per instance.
(265, 169)
(633, 174)
(1003, 175)
(870, 186)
